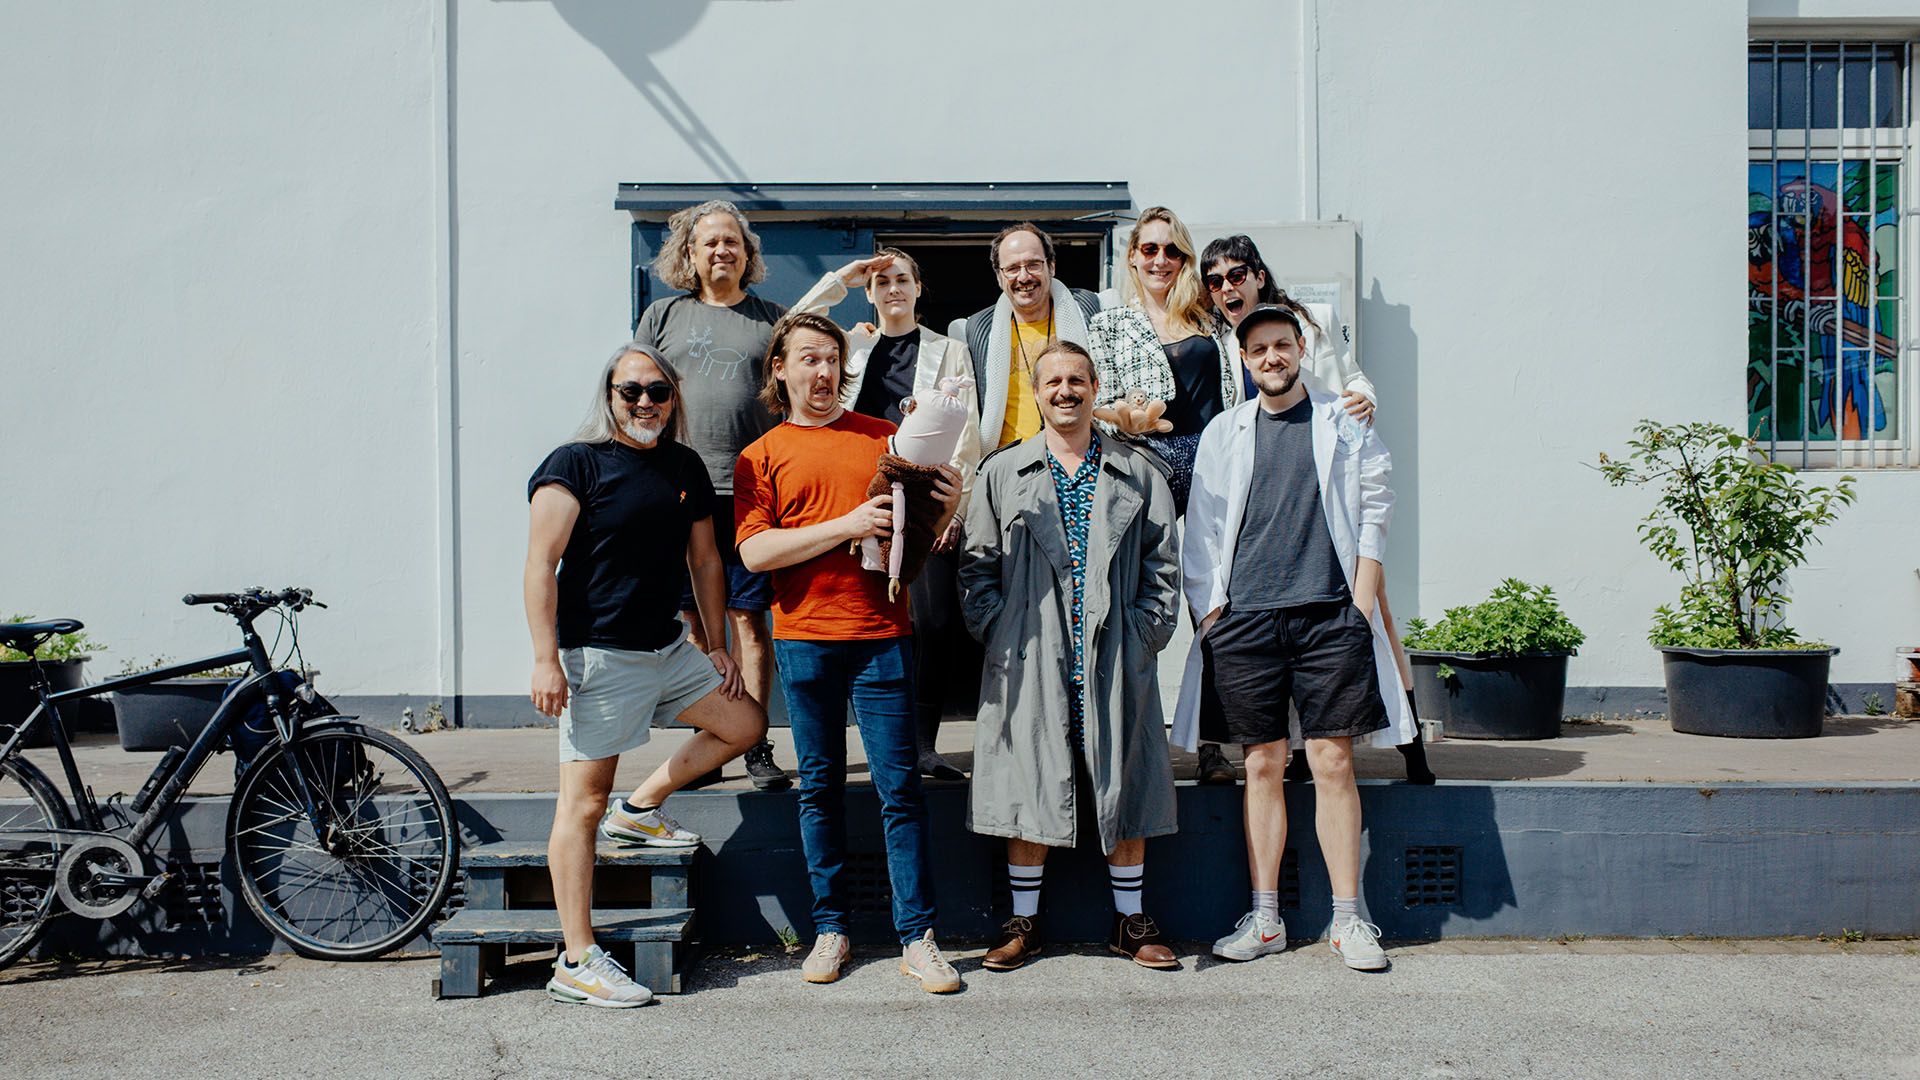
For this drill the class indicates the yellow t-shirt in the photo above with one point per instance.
(1023, 412)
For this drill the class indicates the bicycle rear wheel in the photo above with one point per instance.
(382, 863)
(29, 809)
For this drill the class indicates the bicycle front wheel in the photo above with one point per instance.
(29, 851)
(378, 866)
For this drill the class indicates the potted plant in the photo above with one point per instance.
(1496, 669)
(61, 657)
(1733, 524)
(171, 712)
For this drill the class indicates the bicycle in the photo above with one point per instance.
(343, 839)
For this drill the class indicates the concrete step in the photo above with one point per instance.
(473, 943)
(518, 853)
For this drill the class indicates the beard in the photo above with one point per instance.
(1286, 383)
(643, 432)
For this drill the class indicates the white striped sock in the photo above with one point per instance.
(1126, 882)
(1025, 883)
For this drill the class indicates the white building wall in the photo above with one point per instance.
(231, 218)
(216, 313)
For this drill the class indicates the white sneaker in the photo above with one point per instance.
(653, 828)
(1253, 936)
(598, 980)
(922, 960)
(1358, 943)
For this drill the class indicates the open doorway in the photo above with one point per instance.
(958, 275)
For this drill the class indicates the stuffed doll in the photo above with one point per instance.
(931, 424)
(1133, 414)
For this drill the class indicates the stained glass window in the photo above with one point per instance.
(1826, 184)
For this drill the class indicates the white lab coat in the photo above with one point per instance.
(1353, 466)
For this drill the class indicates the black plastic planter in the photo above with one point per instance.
(17, 699)
(1747, 693)
(171, 712)
(1491, 697)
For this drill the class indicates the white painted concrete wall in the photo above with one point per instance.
(216, 286)
(226, 211)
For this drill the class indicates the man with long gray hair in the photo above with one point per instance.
(620, 517)
(716, 333)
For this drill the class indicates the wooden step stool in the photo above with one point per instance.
(510, 902)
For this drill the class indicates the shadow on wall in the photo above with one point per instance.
(1392, 360)
(628, 33)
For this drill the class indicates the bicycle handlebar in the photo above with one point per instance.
(294, 598)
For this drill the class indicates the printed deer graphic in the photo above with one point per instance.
(721, 363)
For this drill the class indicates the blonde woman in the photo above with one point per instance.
(1161, 343)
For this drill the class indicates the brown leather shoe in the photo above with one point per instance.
(1138, 939)
(1019, 943)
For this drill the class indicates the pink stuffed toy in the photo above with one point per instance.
(930, 430)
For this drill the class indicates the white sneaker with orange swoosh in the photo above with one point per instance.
(1253, 936)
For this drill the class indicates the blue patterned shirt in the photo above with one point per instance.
(1075, 496)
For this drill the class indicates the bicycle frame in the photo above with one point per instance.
(225, 717)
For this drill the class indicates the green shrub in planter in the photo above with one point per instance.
(1500, 666)
(60, 658)
(1733, 525)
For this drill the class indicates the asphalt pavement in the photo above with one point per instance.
(1452, 1009)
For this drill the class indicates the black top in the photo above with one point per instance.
(1284, 556)
(1196, 380)
(625, 566)
(889, 376)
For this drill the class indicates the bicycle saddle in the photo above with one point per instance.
(24, 635)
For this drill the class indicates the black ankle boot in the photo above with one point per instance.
(931, 764)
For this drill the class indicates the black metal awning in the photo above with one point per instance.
(885, 201)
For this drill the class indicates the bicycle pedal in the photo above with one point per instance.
(154, 887)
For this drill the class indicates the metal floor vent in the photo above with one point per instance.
(193, 898)
(868, 890)
(1433, 875)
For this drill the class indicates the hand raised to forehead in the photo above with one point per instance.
(857, 273)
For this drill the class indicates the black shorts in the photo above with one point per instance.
(1318, 656)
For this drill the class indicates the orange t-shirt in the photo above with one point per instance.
(794, 476)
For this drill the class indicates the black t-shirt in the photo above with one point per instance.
(625, 566)
(889, 376)
(1284, 556)
(1195, 362)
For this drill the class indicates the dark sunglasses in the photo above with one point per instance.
(631, 392)
(1151, 250)
(1233, 277)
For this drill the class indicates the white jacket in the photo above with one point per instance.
(1353, 466)
(940, 357)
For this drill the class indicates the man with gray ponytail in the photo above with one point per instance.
(621, 518)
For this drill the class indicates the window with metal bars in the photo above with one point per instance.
(1831, 198)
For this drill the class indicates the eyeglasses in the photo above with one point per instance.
(631, 392)
(1036, 267)
(1233, 277)
(1151, 250)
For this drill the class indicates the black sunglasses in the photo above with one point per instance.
(1149, 250)
(1233, 277)
(631, 392)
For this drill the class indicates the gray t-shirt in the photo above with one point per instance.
(720, 354)
(1284, 556)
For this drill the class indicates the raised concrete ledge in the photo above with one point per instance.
(1519, 859)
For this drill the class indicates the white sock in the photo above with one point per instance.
(1025, 882)
(1267, 903)
(1126, 881)
(1346, 907)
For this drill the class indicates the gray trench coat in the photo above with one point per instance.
(1017, 596)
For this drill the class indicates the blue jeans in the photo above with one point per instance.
(818, 679)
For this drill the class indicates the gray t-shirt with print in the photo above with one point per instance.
(720, 354)
(1284, 556)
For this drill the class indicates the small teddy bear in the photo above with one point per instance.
(1133, 414)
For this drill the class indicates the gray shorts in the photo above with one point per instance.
(614, 696)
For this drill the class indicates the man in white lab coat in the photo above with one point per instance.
(1281, 566)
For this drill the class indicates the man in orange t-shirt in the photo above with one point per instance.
(800, 506)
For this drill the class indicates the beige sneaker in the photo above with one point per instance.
(922, 960)
(822, 965)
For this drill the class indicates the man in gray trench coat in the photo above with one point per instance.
(1070, 578)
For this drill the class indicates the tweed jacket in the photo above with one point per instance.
(940, 357)
(1128, 353)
